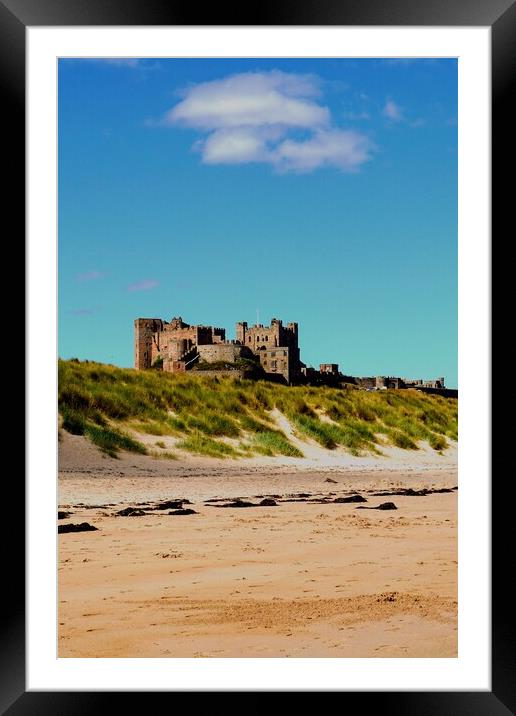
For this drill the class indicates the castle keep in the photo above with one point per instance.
(176, 347)
(276, 346)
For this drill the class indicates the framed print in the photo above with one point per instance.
(320, 179)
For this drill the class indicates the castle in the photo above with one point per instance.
(177, 347)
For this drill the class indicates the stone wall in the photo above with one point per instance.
(276, 361)
(218, 335)
(445, 392)
(329, 368)
(173, 366)
(229, 352)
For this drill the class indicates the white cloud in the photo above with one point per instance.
(251, 99)
(343, 149)
(236, 145)
(393, 111)
(257, 117)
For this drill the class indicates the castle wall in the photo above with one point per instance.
(381, 382)
(332, 368)
(204, 335)
(261, 337)
(445, 392)
(173, 366)
(220, 352)
(155, 338)
(218, 335)
(276, 361)
(176, 348)
(188, 333)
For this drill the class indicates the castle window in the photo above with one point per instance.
(266, 338)
(249, 339)
(273, 365)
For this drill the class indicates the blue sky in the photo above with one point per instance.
(318, 191)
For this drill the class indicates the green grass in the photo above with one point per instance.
(215, 365)
(349, 433)
(211, 423)
(105, 403)
(274, 442)
(201, 445)
(438, 442)
(402, 440)
(73, 420)
(154, 428)
(325, 434)
(110, 440)
(164, 454)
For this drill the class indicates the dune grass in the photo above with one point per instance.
(202, 445)
(163, 454)
(111, 440)
(273, 442)
(112, 405)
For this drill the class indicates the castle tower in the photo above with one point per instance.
(144, 329)
(241, 329)
(293, 328)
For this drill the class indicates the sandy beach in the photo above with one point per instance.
(314, 575)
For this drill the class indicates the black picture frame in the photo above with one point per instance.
(500, 16)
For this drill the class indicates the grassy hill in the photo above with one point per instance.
(224, 417)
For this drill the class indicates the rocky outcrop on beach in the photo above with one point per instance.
(82, 527)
